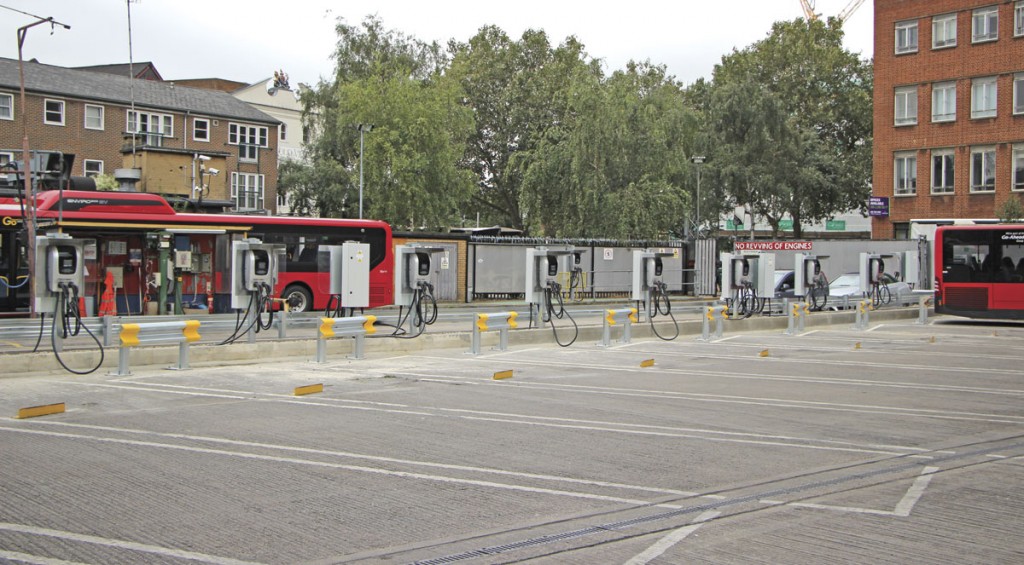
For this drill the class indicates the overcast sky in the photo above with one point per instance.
(246, 40)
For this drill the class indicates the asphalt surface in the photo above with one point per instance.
(901, 443)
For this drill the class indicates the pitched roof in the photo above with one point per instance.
(145, 70)
(101, 87)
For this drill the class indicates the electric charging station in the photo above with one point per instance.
(542, 290)
(649, 286)
(254, 270)
(910, 267)
(747, 279)
(349, 284)
(809, 279)
(414, 289)
(872, 265)
(59, 281)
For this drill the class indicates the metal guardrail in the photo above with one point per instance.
(182, 332)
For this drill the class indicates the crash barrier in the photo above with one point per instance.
(796, 314)
(863, 315)
(357, 327)
(182, 332)
(501, 321)
(625, 317)
(717, 313)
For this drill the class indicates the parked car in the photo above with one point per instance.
(848, 285)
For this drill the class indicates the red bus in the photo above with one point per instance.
(123, 230)
(979, 271)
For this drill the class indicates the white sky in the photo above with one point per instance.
(246, 40)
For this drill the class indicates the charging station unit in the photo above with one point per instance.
(753, 270)
(910, 267)
(649, 287)
(60, 266)
(254, 269)
(350, 274)
(414, 289)
(872, 265)
(807, 272)
(542, 289)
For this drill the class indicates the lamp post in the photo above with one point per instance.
(698, 160)
(30, 203)
(367, 128)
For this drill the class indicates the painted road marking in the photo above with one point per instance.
(903, 507)
(665, 543)
(121, 544)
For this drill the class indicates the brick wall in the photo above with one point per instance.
(963, 63)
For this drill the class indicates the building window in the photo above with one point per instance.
(906, 37)
(985, 24)
(201, 129)
(905, 173)
(53, 112)
(5, 158)
(247, 191)
(6, 106)
(944, 102)
(1018, 19)
(92, 167)
(1018, 167)
(283, 128)
(983, 169)
(942, 171)
(901, 230)
(983, 97)
(944, 31)
(248, 139)
(1018, 94)
(906, 105)
(155, 126)
(93, 117)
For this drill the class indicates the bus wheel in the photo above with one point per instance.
(299, 299)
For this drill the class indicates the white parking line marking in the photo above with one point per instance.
(122, 544)
(671, 539)
(35, 559)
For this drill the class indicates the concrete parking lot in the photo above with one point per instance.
(900, 443)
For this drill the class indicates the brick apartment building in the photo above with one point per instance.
(949, 110)
(175, 138)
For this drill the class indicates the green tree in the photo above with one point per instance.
(412, 157)
(791, 118)
(1011, 211)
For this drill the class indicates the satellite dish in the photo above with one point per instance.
(271, 87)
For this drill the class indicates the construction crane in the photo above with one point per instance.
(808, 6)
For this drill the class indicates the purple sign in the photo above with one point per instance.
(878, 206)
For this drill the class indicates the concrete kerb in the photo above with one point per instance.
(304, 350)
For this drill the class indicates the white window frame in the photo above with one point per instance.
(47, 111)
(985, 24)
(282, 131)
(6, 157)
(1018, 19)
(948, 170)
(95, 171)
(1018, 94)
(906, 37)
(158, 126)
(905, 106)
(6, 108)
(1017, 169)
(196, 130)
(904, 173)
(248, 191)
(249, 140)
(984, 97)
(944, 102)
(944, 31)
(86, 116)
(983, 172)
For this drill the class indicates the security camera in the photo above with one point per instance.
(204, 158)
(211, 171)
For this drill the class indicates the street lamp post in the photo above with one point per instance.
(698, 160)
(30, 203)
(367, 128)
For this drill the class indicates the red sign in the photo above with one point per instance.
(773, 246)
